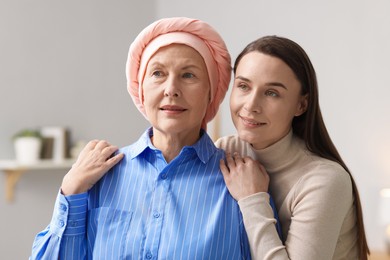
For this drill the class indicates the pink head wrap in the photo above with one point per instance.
(194, 33)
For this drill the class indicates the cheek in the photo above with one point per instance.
(234, 104)
(284, 115)
(198, 95)
(150, 102)
(234, 113)
(204, 102)
(146, 101)
(150, 95)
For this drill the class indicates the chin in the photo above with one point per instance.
(247, 137)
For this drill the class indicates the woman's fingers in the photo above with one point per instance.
(100, 145)
(230, 160)
(98, 151)
(263, 171)
(243, 176)
(111, 161)
(224, 168)
(94, 161)
(108, 152)
(237, 158)
(114, 160)
(91, 145)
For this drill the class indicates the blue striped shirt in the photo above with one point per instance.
(146, 208)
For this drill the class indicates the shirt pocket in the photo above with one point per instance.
(106, 232)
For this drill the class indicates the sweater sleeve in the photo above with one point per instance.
(318, 204)
(260, 216)
(64, 237)
(259, 224)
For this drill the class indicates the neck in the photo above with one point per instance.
(171, 144)
(279, 154)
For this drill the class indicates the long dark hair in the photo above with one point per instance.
(310, 125)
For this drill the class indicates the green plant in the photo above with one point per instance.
(27, 133)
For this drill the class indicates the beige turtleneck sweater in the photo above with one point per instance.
(314, 200)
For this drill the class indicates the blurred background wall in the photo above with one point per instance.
(62, 63)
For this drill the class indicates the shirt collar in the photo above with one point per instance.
(204, 147)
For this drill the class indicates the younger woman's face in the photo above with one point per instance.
(266, 96)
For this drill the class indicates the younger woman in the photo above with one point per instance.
(274, 106)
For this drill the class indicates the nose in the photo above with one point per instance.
(253, 104)
(172, 88)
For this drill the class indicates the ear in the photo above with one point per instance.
(302, 105)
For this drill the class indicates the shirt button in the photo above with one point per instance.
(149, 255)
(156, 214)
(61, 223)
(63, 207)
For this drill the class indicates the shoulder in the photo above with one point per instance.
(317, 169)
(323, 193)
(225, 141)
(136, 148)
(233, 143)
(325, 176)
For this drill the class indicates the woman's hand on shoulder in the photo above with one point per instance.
(94, 161)
(243, 176)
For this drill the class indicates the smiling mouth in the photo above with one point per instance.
(250, 122)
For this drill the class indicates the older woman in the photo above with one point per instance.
(164, 196)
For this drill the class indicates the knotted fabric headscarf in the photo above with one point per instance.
(180, 30)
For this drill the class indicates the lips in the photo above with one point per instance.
(172, 108)
(251, 122)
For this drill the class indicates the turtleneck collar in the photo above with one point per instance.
(281, 153)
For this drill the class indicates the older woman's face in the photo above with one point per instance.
(176, 90)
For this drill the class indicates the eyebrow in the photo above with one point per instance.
(191, 66)
(159, 64)
(154, 64)
(274, 84)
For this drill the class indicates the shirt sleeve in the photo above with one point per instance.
(65, 236)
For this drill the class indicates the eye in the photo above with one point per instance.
(188, 75)
(157, 73)
(271, 93)
(243, 87)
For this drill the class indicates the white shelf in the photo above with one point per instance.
(40, 165)
(14, 171)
